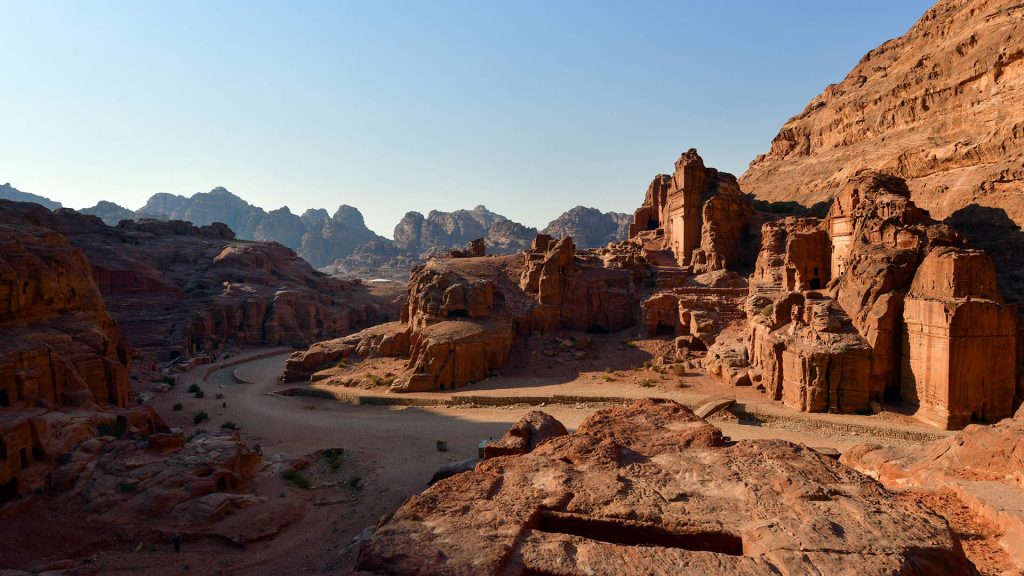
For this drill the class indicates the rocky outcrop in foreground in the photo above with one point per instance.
(982, 465)
(653, 489)
(942, 107)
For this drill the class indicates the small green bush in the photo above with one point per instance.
(229, 425)
(200, 417)
(177, 407)
(193, 388)
(295, 477)
(199, 394)
(768, 309)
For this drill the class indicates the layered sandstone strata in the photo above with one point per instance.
(699, 214)
(60, 347)
(953, 321)
(178, 291)
(652, 488)
(875, 302)
(64, 366)
(463, 314)
(982, 465)
(941, 107)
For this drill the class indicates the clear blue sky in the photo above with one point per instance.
(529, 107)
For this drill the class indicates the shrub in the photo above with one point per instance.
(768, 309)
(193, 388)
(295, 477)
(177, 407)
(333, 458)
(200, 417)
(229, 425)
(386, 380)
(353, 481)
(199, 394)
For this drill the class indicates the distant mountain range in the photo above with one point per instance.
(342, 242)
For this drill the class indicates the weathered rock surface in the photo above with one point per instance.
(463, 314)
(942, 107)
(64, 366)
(589, 227)
(178, 291)
(58, 344)
(876, 302)
(699, 214)
(652, 489)
(982, 465)
(525, 435)
(35, 443)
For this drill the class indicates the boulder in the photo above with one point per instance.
(653, 485)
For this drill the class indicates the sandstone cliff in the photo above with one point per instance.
(942, 107)
(178, 291)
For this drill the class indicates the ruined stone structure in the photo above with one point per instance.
(875, 302)
(698, 213)
(959, 341)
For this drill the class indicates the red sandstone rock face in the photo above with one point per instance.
(58, 345)
(651, 488)
(575, 292)
(33, 441)
(699, 214)
(180, 291)
(525, 435)
(63, 364)
(942, 107)
(904, 311)
(463, 314)
(982, 465)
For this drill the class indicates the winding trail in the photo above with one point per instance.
(392, 448)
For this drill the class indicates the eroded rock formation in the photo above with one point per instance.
(64, 367)
(877, 301)
(982, 465)
(178, 291)
(941, 107)
(653, 486)
(699, 214)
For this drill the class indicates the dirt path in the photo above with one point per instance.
(392, 449)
